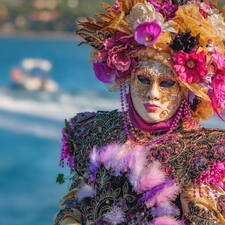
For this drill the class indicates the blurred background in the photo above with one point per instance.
(45, 78)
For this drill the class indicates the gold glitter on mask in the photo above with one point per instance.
(152, 85)
(158, 76)
(164, 114)
(155, 68)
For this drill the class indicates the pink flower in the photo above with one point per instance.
(116, 55)
(218, 60)
(214, 175)
(204, 9)
(166, 8)
(190, 67)
(218, 93)
(65, 152)
(147, 33)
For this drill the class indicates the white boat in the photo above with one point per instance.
(33, 75)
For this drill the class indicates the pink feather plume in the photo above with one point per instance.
(166, 195)
(152, 176)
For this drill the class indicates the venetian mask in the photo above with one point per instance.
(155, 93)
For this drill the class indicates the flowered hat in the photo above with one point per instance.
(187, 36)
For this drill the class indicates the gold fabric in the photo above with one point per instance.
(204, 208)
(74, 217)
(69, 221)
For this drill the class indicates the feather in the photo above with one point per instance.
(138, 1)
(168, 194)
(121, 162)
(115, 216)
(156, 190)
(94, 157)
(137, 164)
(166, 220)
(165, 209)
(196, 89)
(85, 192)
(89, 26)
(152, 176)
(126, 5)
(108, 155)
(116, 21)
(104, 17)
(165, 195)
(106, 6)
(94, 164)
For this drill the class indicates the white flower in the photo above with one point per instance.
(219, 24)
(145, 12)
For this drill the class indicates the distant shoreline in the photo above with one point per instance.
(55, 35)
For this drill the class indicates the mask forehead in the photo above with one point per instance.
(154, 68)
(156, 72)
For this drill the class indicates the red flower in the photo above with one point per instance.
(190, 67)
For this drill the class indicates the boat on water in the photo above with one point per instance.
(34, 75)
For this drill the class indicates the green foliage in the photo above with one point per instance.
(60, 178)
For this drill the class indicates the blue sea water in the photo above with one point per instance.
(30, 126)
(31, 123)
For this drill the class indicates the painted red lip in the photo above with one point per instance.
(150, 107)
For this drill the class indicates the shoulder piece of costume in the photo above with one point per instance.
(87, 130)
(188, 157)
(185, 155)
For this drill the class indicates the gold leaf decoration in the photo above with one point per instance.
(104, 17)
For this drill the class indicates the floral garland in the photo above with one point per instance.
(191, 32)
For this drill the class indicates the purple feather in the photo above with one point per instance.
(95, 163)
(85, 191)
(166, 220)
(191, 97)
(155, 190)
(165, 209)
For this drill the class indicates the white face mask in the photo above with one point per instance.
(155, 93)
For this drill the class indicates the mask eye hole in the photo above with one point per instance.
(143, 80)
(167, 83)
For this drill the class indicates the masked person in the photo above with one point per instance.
(152, 163)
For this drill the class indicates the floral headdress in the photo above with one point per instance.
(188, 36)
